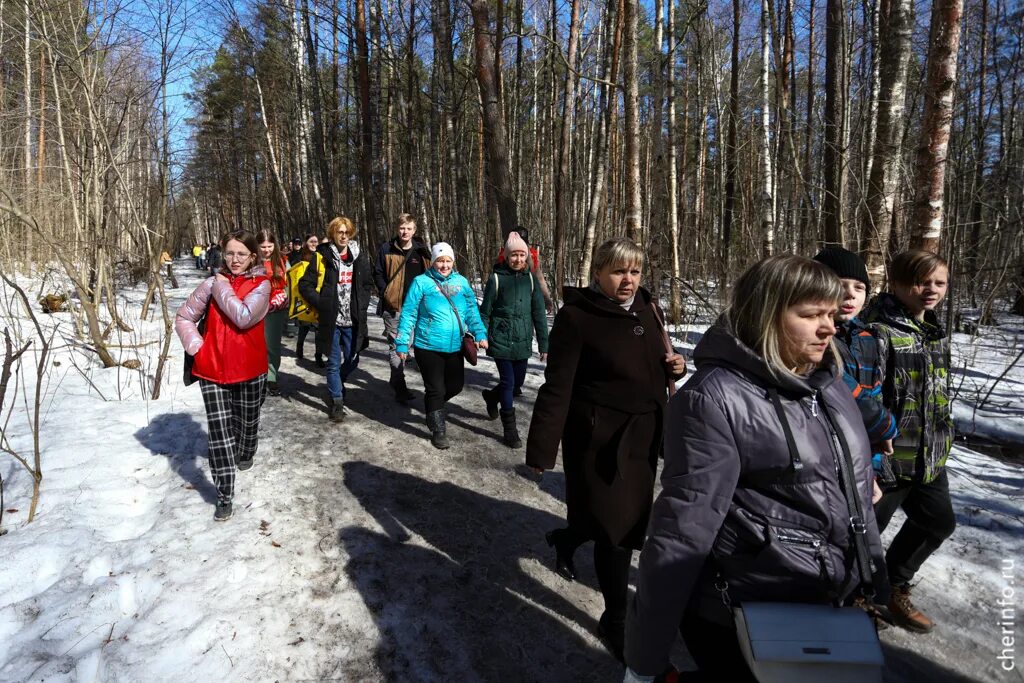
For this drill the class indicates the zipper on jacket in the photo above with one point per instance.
(814, 403)
(814, 543)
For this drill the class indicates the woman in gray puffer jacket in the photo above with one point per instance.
(743, 515)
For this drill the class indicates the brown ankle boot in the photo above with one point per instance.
(905, 614)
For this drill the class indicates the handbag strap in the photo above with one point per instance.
(847, 481)
(858, 525)
(400, 268)
(794, 455)
(451, 303)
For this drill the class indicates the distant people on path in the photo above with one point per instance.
(306, 316)
(340, 301)
(604, 399)
(214, 260)
(399, 262)
(277, 317)
(914, 353)
(229, 358)
(196, 251)
(438, 310)
(752, 508)
(295, 254)
(512, 310)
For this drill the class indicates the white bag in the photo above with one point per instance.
(798, 643)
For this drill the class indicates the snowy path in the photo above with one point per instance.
(358, 552)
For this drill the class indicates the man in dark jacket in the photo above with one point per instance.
(398, 263)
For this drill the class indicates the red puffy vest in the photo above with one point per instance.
(230, 354)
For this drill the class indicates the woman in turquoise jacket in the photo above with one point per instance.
(513, 309)
(438, 309)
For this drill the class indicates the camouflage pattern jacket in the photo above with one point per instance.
(914, 359)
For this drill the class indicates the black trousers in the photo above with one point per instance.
(611, 564)
(716, 650)
(443, 376)
(930, 521)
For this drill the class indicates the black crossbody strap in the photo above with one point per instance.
(794, 454)
(462, 328)
(858, 524)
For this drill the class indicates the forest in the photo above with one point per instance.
(711, 132)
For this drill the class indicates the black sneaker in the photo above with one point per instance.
(223, 512)
(244, 464)
(273, 389)
(404, 396)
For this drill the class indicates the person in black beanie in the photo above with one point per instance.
(858, 348)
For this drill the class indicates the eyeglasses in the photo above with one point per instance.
(236, 256)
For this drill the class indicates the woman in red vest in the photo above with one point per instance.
(230, 358)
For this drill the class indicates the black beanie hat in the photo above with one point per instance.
(846, 264)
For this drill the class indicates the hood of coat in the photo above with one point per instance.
(327, 251)
(887, 309)
(588, 299)
(720, 347)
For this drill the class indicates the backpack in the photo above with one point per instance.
(299, 309)
(532, 280)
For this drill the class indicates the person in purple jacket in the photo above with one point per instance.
(752, 508)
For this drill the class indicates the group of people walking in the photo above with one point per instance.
(810, 420)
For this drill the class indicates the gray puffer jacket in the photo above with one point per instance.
(733, 506)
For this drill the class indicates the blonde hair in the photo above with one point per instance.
(765, 290)
(618, 251)
(339, 223)
(405, 219)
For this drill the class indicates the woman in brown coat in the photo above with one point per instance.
(609, 366)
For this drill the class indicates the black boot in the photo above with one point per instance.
(435, 422)
(491, 401)
(508, 424)
(564, 566)
(611, 629)
(336, 409)
(397, 382)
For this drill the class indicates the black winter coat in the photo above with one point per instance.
(603, 398)
(326, 300)
(732, 506)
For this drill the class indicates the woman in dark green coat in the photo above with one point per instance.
(513, 308)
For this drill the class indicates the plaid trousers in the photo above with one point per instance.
(233, 418)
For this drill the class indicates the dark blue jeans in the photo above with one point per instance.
(511, 375)
(343, 360)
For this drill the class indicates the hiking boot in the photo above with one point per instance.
(511, 433)
(517, 392)
(273, 389)
(223, 511)
(905, 614)
(491, 401)
(336, 409)
(244, 464)
(320, 362)
(611, 630)
(435, 422)
(404, 396)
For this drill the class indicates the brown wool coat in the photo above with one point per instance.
(603, 398)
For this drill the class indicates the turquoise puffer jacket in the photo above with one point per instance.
(427, 314)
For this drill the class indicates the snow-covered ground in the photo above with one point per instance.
(358, 552)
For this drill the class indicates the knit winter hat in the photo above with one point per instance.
(846, 264)
(441, 249)
(515, 243)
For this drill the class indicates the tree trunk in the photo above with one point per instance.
(834, 157)
(944, 41)
(631, 91)
(730, 145)
(366, 119)
(563, 181)
(675, 306)
(494, 124)
(896, 21)
(767, 178)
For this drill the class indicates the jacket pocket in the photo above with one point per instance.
(804, 553)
